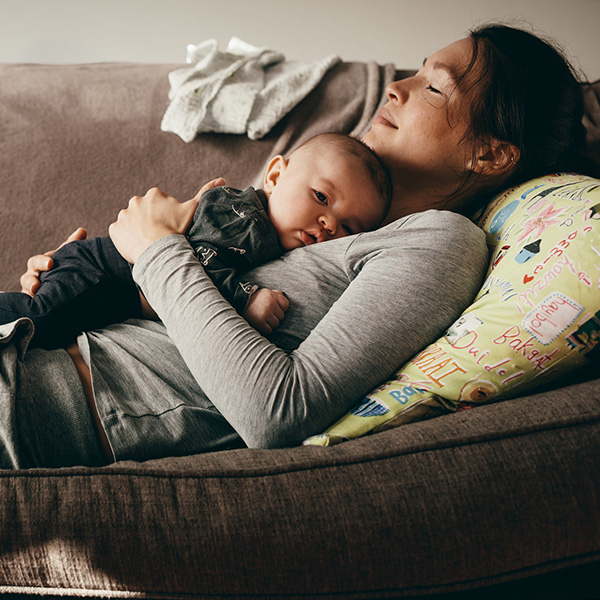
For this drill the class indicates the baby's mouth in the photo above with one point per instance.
(308, 238)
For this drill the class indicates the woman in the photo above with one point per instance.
(468, 124)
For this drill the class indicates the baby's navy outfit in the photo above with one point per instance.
(91, 286)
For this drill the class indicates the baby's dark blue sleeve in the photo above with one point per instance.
(230, 234)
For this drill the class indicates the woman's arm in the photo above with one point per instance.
(407, 285)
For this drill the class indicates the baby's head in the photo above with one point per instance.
(331, 186)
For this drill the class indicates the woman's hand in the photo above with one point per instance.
(30, 281)
(151, 217)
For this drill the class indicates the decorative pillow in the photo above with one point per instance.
(536, 317)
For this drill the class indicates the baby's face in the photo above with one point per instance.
(324, 193)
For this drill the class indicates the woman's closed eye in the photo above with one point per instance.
(435, 96)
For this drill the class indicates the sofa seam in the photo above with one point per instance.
(94, 471)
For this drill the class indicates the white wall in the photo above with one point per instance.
(399, 31)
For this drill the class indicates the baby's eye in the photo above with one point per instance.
(321, 197)
(348, 230)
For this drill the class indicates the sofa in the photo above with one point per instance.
(502, 499)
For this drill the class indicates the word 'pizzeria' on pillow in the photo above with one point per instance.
(536, 317)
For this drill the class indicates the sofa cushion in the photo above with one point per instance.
(536, 317)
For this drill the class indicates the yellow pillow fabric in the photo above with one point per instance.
(536, 317)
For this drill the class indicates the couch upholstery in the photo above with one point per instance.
(484, 496)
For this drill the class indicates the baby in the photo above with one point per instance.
(329, 187)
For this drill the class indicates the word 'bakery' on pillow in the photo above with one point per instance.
(536, 317)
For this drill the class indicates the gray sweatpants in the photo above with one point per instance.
(44, 416)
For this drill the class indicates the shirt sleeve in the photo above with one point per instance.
(405, 288)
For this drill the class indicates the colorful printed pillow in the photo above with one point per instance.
(536, 317)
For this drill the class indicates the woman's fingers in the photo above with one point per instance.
(30, 280)
(218, 182)
(149, 218)
(79, 234)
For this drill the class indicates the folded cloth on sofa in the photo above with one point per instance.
(245, 89)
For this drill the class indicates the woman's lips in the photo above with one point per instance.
(383, 118)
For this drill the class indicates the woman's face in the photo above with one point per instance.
(420, 131)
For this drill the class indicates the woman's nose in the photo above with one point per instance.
(397, 91)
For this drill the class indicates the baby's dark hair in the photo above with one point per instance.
(380, 176)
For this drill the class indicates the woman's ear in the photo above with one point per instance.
(496, 158)
(276, 167)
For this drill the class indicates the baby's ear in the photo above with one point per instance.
(277, 165)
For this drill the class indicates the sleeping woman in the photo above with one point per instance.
(203, 379)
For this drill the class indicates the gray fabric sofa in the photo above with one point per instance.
(485, 497)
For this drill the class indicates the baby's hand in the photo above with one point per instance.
(266, 309)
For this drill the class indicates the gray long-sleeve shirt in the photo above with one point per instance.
(360, 307)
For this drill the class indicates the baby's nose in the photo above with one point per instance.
(329, 225)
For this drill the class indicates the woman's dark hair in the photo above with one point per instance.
(525, 92)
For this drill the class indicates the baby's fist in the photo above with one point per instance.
(266, 309)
